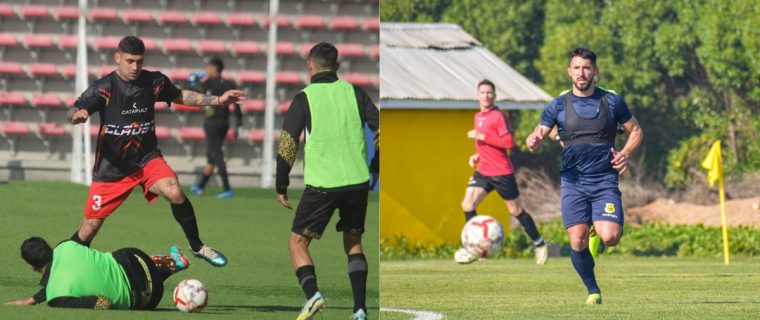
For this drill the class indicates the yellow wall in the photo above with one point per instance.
(424, 176)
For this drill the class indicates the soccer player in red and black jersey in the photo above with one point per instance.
(127, 153)
(493, 139)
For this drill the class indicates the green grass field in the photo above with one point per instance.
(632, 288)
(251, 229)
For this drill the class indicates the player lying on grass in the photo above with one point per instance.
(75, 276)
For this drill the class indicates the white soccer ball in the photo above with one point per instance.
(482, 236)
(190, 295)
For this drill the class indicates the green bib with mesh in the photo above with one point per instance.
(335, 152)
(78, 271)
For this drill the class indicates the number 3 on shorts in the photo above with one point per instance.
(98, 200)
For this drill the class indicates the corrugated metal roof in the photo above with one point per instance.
(439, 65)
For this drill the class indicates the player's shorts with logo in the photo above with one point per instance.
(105, 197)
(317, 207)
(586, 205)
(505, 185)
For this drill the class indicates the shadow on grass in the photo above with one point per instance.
(253, 308)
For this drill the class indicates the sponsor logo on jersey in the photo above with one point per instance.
(132, 129)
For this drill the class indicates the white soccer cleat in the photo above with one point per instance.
(463, 256)
(542, 254)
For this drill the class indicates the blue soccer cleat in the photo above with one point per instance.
(225, 194)
(196, 190)
(314, 305)
(359, 315)
(180, 261)
(215, 258)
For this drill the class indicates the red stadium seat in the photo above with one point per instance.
(106, 43)
(6, 10)
(66, 12)
(33, 11)
(206, 18)
(251, 105)
(42, 69)
(306, 47)
(67, 41)
(47, 100)
(14, 128)
(70, 102)
(256, 135)
(94, 129)
(240, 20)
(230, 134)
(182, 107)
(374, 51)
(245, 48)
(38, 41)
(343, 23)
(288, 77)
(352, 50)
(8, 40)
(283, 107)
(103, 14)
(136, 16)
(247, 76)
(171, 17)
(281, 21)
(159, 106)
(358, 79)
(105, 70)
(211, 46)
(191, 134)
(285, 48)
(372, 24)
(12, 99)
(69, 71)
(10, 68)
(177, 45)
(163, 132)
(310, 21)
(181, 74)
(51, 129)
(150, 43)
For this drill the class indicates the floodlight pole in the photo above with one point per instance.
(271, 99)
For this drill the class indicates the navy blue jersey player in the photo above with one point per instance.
(587, 118)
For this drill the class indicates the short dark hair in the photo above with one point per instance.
(36, 252)
(132, 45)
(325, 55)
(584, 53)
(216, 62)
(488, 83)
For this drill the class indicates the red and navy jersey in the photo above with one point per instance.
(497, 131)
(127, 135)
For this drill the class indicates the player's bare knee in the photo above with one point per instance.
(298, 241)
(174, 195)
(578, 242)
(610, 240)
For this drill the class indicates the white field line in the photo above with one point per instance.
(418, 315)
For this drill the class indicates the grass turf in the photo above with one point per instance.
(252, 229)
(632, 288)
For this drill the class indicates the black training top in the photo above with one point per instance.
(127, 135)
(217, 87)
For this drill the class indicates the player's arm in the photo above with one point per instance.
(192, 98)
(635, 136)
(88, 302)
(39, 297)
(535, 139)
(91, 100)
(371, 115)
(295, 122)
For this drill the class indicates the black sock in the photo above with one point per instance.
(469, 215)
(584, 265)
(307, 277)
(530, 228)
(225, 177)
(75, 237)
(185, 216)
(204, 181)
(357, 273)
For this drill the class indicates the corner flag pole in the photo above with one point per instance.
(714, 165)
(723, 218)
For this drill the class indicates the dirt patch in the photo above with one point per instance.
(744, 212)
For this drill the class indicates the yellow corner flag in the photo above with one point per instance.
(714, 168)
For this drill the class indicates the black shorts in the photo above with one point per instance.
(506, 185)
(216, 132)
(316, 208)
(147, 285)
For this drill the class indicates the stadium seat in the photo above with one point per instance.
(374, 51)
(163, 133)
(206, 18)
(94, 130)
(372, 24)
(358, 79)
(306, 47)
(240, 20)
(343, 23)
(253, 105)
(283, 107)
(249, 76)
(8, 40)
(210, 46)
(256, 136)
(191, 134)
(281, 21)
(70, 102)
(245, 48)
(310, 22)
(38, 41)
(106, 43)
(105, 70)
(136, 16)
(230, 134)
(150, 43)
(352, 50)
(10, 68)
(177, 45)
(66, 13)
(47, 100)
(102, 14)
(51, 129)
(12, 99)
(11, 130)
(181, 74)
(68, 42)
(69, 71)
(288, 77)
(42, 69)
(6, 10)
(171, 17)
(33, 12)
(285, 48)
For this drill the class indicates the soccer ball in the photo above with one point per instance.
(482, 236)
(190, 295)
